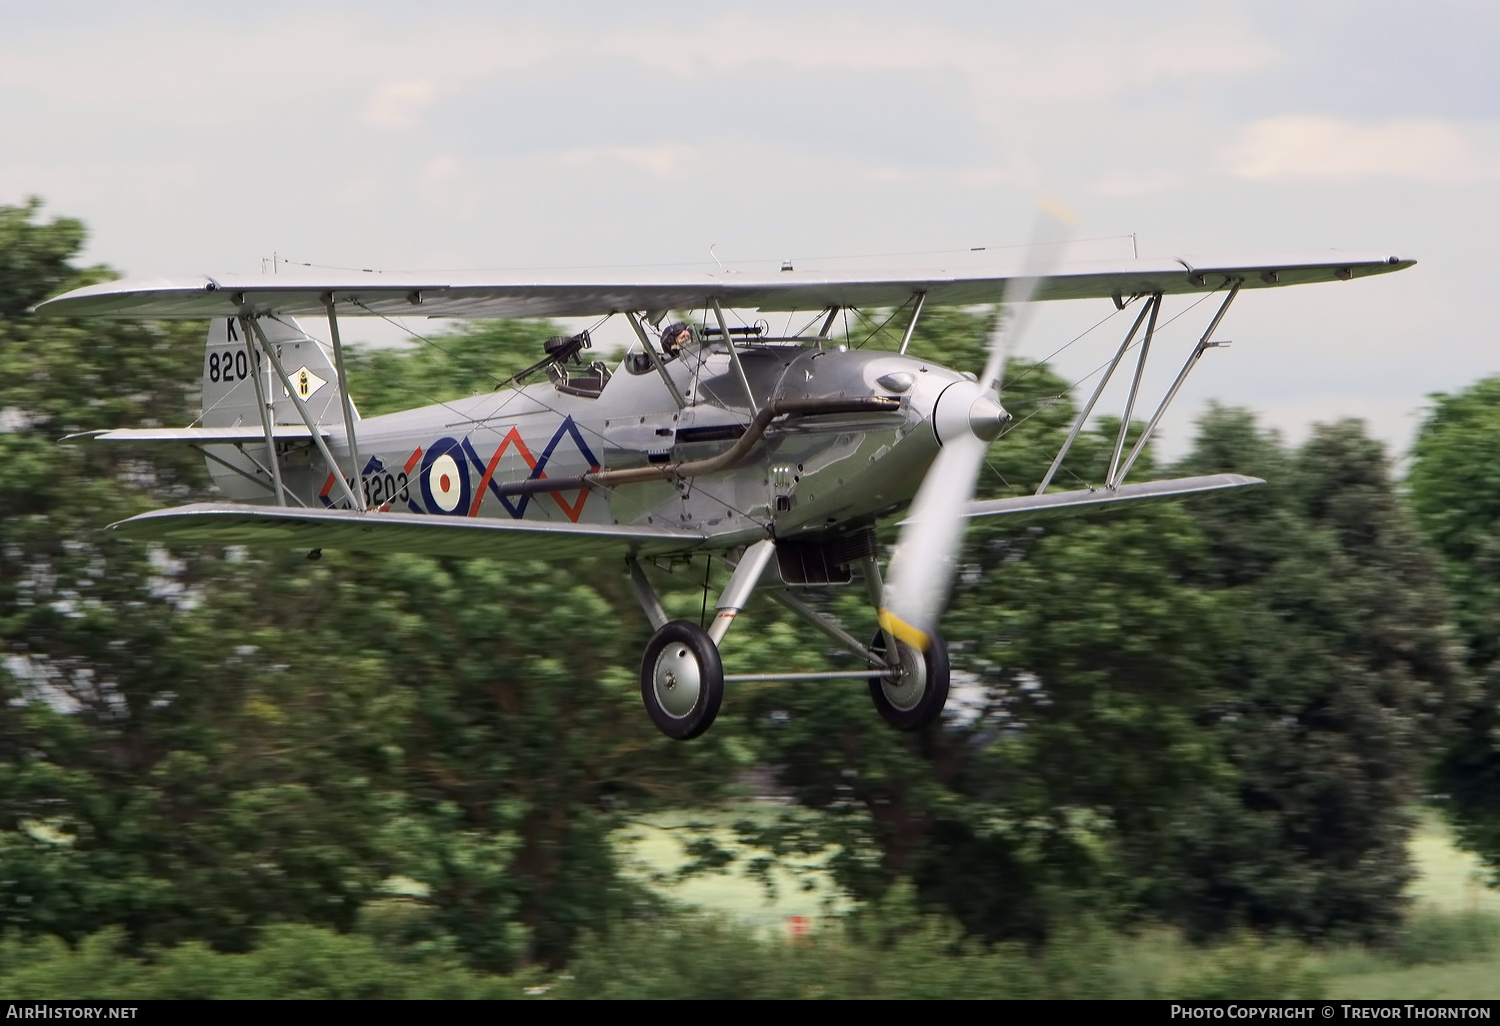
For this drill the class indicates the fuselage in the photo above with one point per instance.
(807, 474)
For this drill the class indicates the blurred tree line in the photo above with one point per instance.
(1217, 715)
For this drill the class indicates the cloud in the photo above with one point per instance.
(1088, 62)
(1123, 182)
(447, 187)
(669, 160)
(358, 192)
(1310, 146)
(399, 105)
(901, 90)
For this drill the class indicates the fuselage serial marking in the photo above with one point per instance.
(382, 487)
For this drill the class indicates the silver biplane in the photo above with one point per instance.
(775, 455)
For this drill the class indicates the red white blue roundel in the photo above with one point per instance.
(445, 481)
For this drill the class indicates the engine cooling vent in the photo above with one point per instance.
(854, 547)
(809, 563)
(826, 561)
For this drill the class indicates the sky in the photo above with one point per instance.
(203, 137)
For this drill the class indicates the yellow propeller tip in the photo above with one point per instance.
(903, 631)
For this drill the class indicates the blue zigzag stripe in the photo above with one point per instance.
(517, 510)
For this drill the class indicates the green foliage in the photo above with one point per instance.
(1244, 967)
(35, 258)
(1434, 937)
(889, 951)
(289, 962)
(1456, 495)
(1455, 492)
(1339, 671)
(475, 357)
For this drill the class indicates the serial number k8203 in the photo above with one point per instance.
(386, 487)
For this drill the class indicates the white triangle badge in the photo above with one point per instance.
(305, 382)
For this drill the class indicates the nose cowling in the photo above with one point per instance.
(966, 409)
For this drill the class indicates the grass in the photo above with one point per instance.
(1478, 979)
(739, 948)
(655, 854)
(1450, 948)
(1448, 878)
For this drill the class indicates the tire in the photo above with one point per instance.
(905, 706)
(682, 680)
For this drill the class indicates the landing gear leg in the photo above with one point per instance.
(682, 676)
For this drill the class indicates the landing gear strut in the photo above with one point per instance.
(682, 675)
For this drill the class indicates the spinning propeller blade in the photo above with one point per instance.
(968, 416)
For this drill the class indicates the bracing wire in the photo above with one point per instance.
(1047, 402)
(1048, 358)
(424, 339)
(881, 326)
(708, 569)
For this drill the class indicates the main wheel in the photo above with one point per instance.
(682, 680)
(915, 698)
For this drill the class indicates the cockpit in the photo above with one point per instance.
(679, 339)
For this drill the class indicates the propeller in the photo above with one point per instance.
(967, 417)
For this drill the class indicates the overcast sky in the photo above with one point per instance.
(204, 137)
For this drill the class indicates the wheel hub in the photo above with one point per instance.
(905, 688)
(678, 680)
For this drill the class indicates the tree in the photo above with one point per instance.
(200, 742)
(1456, 495)
(1338, 674)
(1213, 712)
(139, 786)
(473, 358)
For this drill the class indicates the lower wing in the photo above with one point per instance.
(1053, 504)
(236, 524)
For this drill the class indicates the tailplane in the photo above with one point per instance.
(232, 402)
(229, 393)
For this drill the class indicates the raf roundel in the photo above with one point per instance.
(445, 483)
(444, 480)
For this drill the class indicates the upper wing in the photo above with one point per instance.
(1084, 500)
(224, 523)
(410, 293)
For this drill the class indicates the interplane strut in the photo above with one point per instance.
(286, 382)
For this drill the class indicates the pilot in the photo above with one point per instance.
(674, 338)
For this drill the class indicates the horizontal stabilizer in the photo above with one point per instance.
(203, 435)
(236, 524)
(1061, 503)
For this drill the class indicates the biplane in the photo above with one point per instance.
(777, 455)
